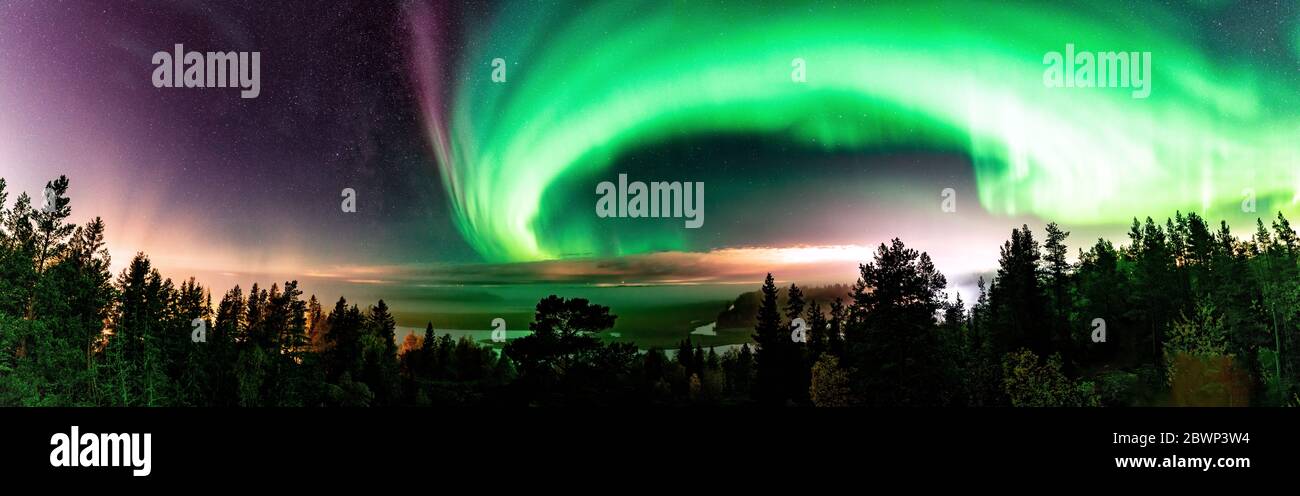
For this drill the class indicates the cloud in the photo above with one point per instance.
(724, 266)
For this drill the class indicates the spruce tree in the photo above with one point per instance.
(817, 331)
(1058, 282)
(772, 342)
(838, 321)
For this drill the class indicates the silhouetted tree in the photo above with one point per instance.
(773, 349)
(563, 353)
(894, 344)
(1017, 305)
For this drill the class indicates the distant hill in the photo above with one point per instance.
(744, 309)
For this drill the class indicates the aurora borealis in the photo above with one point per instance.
(464, 182)
(591, 82)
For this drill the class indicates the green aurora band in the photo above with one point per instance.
(587, 84)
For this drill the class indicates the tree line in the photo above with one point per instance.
(1182, 315)
(1191, 316)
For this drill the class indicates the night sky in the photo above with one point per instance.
(466, 181)
(202, 175)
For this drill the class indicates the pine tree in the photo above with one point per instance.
(741, 374)
(51, 228)
(315, 325)
(818, 330)
(1104, 292)
(1017, 303)
(1286, 296)
(772, 343)
(72, 300)
(697, 360)
(685, 356)
(139, 327)
(1058, 284)
(226, 329)
(344, 340)
(838, 321)
(379, 370)
(255, 320)
(429, 365)
(794, 302)
(1154, 281)
(895, 348)
(188, 360)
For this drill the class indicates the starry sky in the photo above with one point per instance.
(463, 181)
(201, 172)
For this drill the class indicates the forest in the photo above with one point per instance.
(1193, 315)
